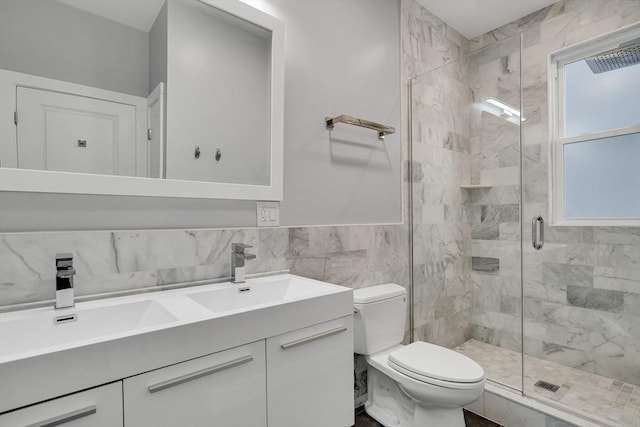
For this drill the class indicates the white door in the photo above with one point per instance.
(155, 137)
(63, 132)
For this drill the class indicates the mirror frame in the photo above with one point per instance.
(25, 180)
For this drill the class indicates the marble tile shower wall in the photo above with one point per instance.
(353, 256)
(582, 291)
(434, 55)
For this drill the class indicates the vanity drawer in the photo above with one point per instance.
(100, 406)
(226, 389)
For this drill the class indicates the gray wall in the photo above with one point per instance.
(221, 100)
(342, 58)
(336, 63)
(158, 49)
(50, 39)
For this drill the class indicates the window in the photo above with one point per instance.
(595, 131)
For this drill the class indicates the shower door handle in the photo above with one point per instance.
(537, 232)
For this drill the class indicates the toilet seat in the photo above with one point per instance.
(436, 365)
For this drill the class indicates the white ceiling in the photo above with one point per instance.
(139, 14)
(472, 18)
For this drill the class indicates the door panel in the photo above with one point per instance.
(63, 132)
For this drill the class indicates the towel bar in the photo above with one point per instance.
(343, 118)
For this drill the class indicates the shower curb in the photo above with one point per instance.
(509, 408)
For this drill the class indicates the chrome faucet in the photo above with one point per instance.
(238, 257)
(64, 280)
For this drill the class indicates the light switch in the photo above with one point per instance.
(268, 214)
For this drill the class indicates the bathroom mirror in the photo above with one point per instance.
(171, 98)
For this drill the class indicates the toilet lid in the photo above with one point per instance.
(377, 293)
(432, 361)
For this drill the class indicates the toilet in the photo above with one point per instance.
(417, 385)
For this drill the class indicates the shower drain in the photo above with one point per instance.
(547, 386)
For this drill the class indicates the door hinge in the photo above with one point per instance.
(15, 118)
(148, 134)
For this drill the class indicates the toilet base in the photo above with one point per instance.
(388, 404)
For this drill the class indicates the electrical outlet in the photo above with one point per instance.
(268, 214)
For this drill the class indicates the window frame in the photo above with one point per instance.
(557, 121)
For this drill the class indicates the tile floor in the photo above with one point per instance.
(603, 399)
(471, 420)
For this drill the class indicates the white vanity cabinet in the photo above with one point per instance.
(310, 376)
(280, 355)
(100, 406)
(226, 389)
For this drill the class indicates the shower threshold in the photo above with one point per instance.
(604, 400)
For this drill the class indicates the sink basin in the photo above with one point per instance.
(116, 338)
(259, 292)
(38, 330)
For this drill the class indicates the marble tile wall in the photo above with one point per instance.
(427, 42)
(582, 291)
(353, 256)
(434, 59)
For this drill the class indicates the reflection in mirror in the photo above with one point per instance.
(111, 88)
(77, 74)
(219, 94)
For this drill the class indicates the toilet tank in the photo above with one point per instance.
(379, 318)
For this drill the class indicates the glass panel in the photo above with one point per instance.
(602, 178)
(603, 101)
(466, 241)
(493, 213)
(582, 289)
(441, 156)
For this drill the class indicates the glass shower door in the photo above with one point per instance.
(582, 284)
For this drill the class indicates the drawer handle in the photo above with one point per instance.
(199, 374)
(65, 418)
(314, 337)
